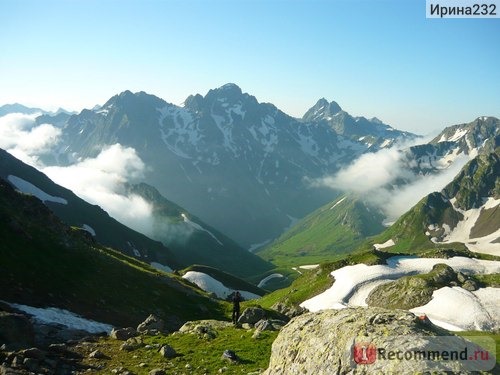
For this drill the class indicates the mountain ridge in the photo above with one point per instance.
(224, 133)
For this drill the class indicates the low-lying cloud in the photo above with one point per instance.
(23, 138)
(100, 180)
(384, 179)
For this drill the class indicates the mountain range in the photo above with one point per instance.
(244, 167)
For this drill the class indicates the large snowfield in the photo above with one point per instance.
(211, 285)
(451, 308)
(462, 232)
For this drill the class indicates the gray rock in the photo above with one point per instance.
(230, 355)
(290, 310)
(470, 285)
(324, 342)
(269, 324)
(252, 315)
(31, 364)
(6, 370)
(123, 334)
(34, 353)
(168, 352)
(151, 324)
(461, 277)
(157, 371)
(197, 326)
(97, 354)
(16, 331)
(264, 325)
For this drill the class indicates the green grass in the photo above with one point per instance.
(45, 263)
(327, 234)
(475, 336)
(195, 354)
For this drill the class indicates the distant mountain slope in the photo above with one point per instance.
(330, 231)
(465, 213)
(44, 262)
(78, 213)
(224, 155)
(371, 132)
(194, 242)
(479, 136)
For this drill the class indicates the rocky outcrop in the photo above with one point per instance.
(16, 331)
(290, 310)
(252, 315)
(337, 341)
(412, 291)
(152, 325)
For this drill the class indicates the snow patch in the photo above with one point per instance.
(336, 204)
(200, 228)
(461, 233)
(265, 280)
(161, 267)
(28, 188)
(460, 310)
(211, 285)
(89, 229)
(387, 243)
(353, 283)
(52, 315)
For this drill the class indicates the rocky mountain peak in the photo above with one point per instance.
(322, 110)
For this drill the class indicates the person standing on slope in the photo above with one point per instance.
(236, 306)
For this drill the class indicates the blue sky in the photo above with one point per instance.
(378, 58)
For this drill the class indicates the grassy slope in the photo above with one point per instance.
(199, 247)
(78, 212)
(326, 234)
(201, 355)
(45, 263)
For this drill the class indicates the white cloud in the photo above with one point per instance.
(100, 181)
(377, 176)
(23, 138)
(368, 172)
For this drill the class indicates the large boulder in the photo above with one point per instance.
(252, 315)
(16, 331)
(360, 340)
(151, 324)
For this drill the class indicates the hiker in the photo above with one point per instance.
(236, 306)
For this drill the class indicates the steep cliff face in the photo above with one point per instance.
(359, 341)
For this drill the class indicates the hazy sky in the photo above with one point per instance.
(375, 57)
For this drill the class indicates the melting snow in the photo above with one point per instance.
(28, 188)
(66, 318)
(461, 310)
(387, 243)
(270, 277)
(461, 233)
(89, 229)
(336, 204)
(211, 285)
(459, 133)
(161, 267)
(353, 283)
(200, 228)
